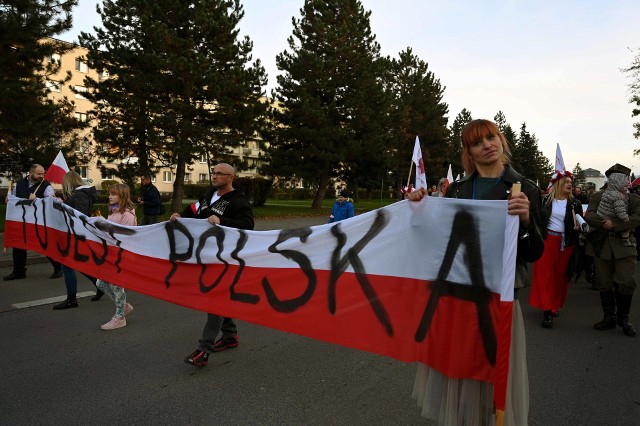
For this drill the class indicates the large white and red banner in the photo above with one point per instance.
(429, 281)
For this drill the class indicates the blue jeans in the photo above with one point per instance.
(70, 280)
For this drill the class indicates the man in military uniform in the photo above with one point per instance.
(615, 262)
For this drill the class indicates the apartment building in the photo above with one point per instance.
(71, 62)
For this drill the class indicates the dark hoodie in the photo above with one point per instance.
(232, 208)
(83, 199)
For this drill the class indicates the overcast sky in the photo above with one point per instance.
(552, 64)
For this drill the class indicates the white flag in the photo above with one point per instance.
(559, 160)
(421, 177)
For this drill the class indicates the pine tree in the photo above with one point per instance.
(529, 160)
(332, 115)
(30, 123)
(181, 85)
(417, 110)
(634, 72)
(507, 130)
(578, 176)
(455, 140)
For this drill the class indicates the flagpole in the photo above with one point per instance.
(9, 191)
(410, 170)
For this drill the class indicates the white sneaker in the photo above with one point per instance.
(114, 323)
(128, 308)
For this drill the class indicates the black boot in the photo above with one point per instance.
(15, 276)
(547, 320)
(98, 295)
(70, 302)
(609, 308)
(624, 304)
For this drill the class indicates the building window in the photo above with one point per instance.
(83, 171)
(203, 158)
(80, 147)
(79, 90)
(81, 116)
(81, 66)
(107, 175)
(55, 58)
(167, 177)
(53, 86)
(187, 177)
(203, 176)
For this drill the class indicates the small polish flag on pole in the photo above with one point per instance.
(559, 168)
(449, 180)
(57, 170)
(559, 160)
(421, 176)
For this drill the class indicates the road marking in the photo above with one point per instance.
(50, 300)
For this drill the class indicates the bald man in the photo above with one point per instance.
(227, 206)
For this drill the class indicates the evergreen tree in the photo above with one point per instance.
(634, 72)
(181, 85)
(529, 160)
(332, 115)
(417, 110)
(30, 123)
(578, 176)
(455, 141)
(506, 129)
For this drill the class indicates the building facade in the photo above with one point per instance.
(72, 63)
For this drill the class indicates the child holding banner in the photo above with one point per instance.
(453, 401)
(121, 211)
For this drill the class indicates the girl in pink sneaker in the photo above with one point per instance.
(121, 211)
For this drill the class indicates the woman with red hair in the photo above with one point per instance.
(488, 176)
(552, 273)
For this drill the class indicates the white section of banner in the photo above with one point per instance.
(404, 239)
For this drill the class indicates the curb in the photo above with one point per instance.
(31, 260)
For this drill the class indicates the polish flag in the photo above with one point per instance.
(57, 170)
(421, 177)
(448, 181)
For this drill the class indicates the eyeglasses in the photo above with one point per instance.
(220, 174)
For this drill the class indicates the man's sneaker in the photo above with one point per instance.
(199, 358)
(225, 343)
(128, 308)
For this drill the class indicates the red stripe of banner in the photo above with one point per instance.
(385, 323)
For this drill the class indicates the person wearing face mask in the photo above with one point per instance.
(613, 247)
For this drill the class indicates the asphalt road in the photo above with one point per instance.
(58, 367)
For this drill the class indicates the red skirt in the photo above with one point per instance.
(550, 280)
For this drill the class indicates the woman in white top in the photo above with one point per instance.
(552, 273)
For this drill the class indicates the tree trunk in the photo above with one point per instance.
(320, 193)
(178, 186)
